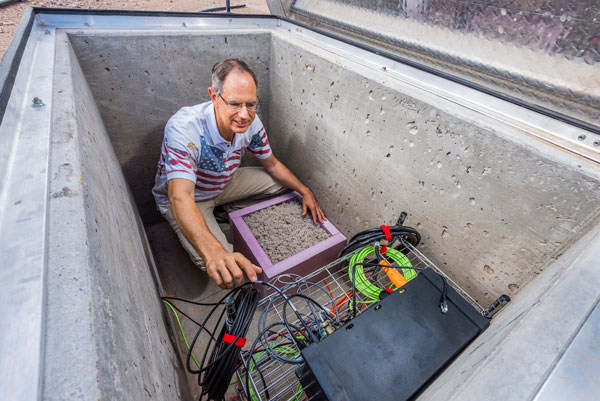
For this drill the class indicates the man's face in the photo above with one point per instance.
(238, 87)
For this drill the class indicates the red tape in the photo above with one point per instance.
(383, 250)
(228, 338)
(388, 290)
(388, 237)
(386, 231)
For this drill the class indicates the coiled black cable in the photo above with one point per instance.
(217, 369)
(221, 359)
(217, 377)
(368, 237)
(399, 231)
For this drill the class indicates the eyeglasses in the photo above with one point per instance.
(237, 106)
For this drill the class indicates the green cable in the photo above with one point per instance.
(181, 330)
(283, 349)
(362, 284)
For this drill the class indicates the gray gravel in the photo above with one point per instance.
(282, 231)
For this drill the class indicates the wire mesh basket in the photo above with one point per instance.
(271, 363)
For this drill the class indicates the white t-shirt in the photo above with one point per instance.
(193, 149)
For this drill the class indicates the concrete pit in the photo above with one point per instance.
(500, 210)
(494, 211)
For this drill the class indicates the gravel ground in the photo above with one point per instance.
(10, 15)
(282, 231)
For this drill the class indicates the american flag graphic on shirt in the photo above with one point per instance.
(187, 153)
(259, 145)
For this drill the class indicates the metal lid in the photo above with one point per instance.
(542, 55)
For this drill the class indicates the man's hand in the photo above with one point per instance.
(227, 269)
(309, 202)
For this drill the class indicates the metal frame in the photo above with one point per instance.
(23, 214)
(12, 58)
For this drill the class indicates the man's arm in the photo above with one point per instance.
(284, 176)
(223, 267)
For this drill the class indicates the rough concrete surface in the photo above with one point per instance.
(282, 231)
(70, 286)
(493, 213)
(121, 346)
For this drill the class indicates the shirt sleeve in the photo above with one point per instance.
(259, 143)
(181, 154)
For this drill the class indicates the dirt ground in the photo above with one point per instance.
(10, 15)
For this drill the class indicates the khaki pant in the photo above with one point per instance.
(247, 185)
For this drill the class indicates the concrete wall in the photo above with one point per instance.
(493, 213)
(106, 334)
(138, 82)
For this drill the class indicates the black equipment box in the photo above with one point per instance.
(395, 348)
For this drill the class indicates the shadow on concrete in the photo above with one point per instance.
(178, 274)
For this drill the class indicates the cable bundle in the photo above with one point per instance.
(224, 355)
(298, 320)
(362, 284)
(365, 244)
(221, 358)
(368, 237)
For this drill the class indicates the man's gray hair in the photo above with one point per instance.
(221, 69)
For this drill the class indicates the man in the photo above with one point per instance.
(198, 170)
